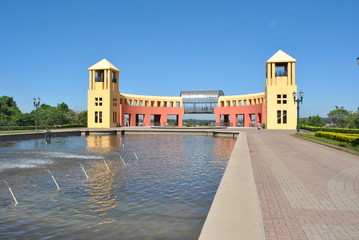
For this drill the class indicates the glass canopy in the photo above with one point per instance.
(200, 101)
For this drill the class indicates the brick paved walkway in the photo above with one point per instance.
(306, 190)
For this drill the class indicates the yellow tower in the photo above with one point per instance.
(280, 85)
(103, 95)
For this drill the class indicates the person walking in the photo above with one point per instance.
(259, 125)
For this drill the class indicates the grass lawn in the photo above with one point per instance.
(19, 131)
(331, 143)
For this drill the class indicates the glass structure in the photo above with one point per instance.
(200, 101)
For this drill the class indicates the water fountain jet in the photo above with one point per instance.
(53, 178)
(106, 165)
(122, 160)
(12, 194)
(83, 169)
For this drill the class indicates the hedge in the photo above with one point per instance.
(326, 129)
(13, 128)
(349, 138)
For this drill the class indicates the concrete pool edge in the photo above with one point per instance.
(235, 212)
(119, 131)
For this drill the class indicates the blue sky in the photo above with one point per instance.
(165, 46)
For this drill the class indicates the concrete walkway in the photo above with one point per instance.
(306, 190)
(235, 212)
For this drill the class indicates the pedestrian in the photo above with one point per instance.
(48, 135)
(259, 125)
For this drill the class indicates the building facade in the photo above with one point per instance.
(108, 107)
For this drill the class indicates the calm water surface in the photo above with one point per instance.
(164, 194)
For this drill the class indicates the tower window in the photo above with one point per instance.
(279, 117)
(281, 99)
(281, 70)
(282, 117)
(113, 77)
(98, 117)
(114, 117)
(99, 76)
(98, 101)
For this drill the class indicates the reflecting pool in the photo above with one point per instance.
(163, 191)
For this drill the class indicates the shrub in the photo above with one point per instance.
(326, 129)
(349, 138)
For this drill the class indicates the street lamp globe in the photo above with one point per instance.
(36, 102)
(294, 95)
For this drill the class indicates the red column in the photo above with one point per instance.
(247, 120)
(258, 118)
(147, 120)
(233, 120)
(218, 119)
(180, 120)
(163, 119)
(264, 113)
(132, 120)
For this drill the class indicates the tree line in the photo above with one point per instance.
(10, 115)
(338, 117)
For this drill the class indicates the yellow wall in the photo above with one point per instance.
(150, 101)
(241, 100)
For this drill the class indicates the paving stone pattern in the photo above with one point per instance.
(306, 190)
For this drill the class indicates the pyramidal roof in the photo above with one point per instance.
(281, 56)
(103, 64)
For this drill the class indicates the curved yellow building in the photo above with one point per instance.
(275, 107)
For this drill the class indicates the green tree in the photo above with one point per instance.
(26, 119)
(49, 115)
(356, 119)
(316, 121)
(353, 120)
(9, 112)
(83, 117)
(339, 116)
(304, 121)
(63, 108)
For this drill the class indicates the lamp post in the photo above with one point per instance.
(36, 106)
(298, 100)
